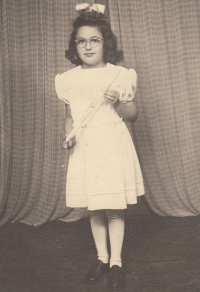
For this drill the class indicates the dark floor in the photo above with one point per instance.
(161, 254)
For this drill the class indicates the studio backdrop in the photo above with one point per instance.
(161, 41)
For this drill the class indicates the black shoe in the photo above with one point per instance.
(96, 271)
(116, 277)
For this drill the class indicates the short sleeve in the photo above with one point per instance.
(129, 88)
(60, 88)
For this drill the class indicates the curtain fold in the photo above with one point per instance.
(34, 36)
(161, 40)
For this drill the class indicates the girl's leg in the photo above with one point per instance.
(98, 222)
(116, 234)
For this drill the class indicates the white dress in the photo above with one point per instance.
(103, 170)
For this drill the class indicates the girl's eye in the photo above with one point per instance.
(81, 42)
(95, 40)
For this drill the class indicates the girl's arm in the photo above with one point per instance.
(127, 111)
(68, 126)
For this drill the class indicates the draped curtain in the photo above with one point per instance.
(33, 39)
(160, 39)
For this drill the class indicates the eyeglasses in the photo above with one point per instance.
(94, 42)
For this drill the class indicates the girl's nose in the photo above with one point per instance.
(88, 45)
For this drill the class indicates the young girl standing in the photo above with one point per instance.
(103, 173)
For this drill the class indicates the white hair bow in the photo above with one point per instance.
(97, 7)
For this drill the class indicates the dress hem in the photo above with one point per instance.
(105, 201)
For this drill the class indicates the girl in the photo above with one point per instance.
(104, 173)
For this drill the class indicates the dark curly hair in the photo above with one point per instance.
(95, 19)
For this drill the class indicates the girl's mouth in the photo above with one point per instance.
(89, 54)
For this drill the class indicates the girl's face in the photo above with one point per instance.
(92, 52)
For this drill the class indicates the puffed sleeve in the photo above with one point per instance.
(60, 88)
(129, 85)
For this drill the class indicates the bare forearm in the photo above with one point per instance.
(68, 125)
(127, 111)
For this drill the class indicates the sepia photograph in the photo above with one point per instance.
(100, 146)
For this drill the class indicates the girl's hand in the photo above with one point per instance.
(111, 96)
(70, 144)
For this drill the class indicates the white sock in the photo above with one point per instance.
(115, 263)
(98, 222)
(116, 235)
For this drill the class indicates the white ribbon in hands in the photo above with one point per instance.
(92, 108)
(86, 6)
